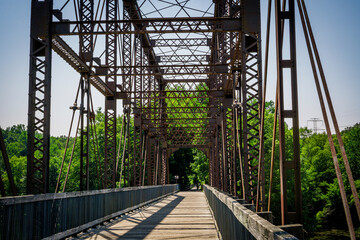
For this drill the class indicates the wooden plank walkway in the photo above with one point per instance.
(184, 215)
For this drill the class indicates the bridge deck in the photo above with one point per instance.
(184, 215)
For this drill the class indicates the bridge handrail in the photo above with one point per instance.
(58, 215)
(236, 221)
(53, 196)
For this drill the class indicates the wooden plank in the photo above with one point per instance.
(184, 215)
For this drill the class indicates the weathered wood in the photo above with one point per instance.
(295, 229)
(259, 227)
(184, 215)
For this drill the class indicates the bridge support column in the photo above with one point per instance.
(251, 98)
(39, 97)
(288, 165)
(85, 115)
(228, 164)
(86, 49)
(110, 102)
(138, 131)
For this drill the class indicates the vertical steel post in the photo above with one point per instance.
(2, 188)
(39, 97)
(126, 86)
(7, 164)
(287, 164)
(84, 132)
(110, 102)
(251, 86)
(138, 135)
(86, 13)
(164, 166)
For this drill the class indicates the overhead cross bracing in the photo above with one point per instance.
(189, 72)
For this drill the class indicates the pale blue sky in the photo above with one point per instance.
(335, 24)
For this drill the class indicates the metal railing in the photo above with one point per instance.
(58, 215)
(235, 221)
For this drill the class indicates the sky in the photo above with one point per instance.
(335, 25)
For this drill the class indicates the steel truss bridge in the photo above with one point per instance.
(188, 75)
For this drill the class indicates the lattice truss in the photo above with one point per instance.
(182, 68)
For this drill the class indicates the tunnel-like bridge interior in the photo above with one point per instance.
(188, 75)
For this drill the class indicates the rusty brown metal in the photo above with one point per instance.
(38, 156)
(7, 167)
(111, 46)
(261, 176)
(251, 88)
(312, 46)
(332, 113)
(179, 76)
(272, 159)
(2, 188)
(287, 164)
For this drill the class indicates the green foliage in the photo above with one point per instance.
(320, 189)
(199, 168)
(322, 205)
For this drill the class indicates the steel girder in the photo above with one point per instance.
(288, 165)
(110, 101)
(39, 97)
(251, 98)
(86, 49)
(74, 60)
(138, 133)
(212, 66)
(153, 26)
(143, 81)
(181, 42)
(7, 169)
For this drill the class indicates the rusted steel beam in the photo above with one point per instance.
(183, 58)
(38, 155)
(181, 42)
(110, 102)
(7, 165)
(250, 80)
(73, 59)
(2, 188)
(285, 164)
(150, 26)
(86, 51)
(308, 31)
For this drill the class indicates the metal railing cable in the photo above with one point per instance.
(74, 108)
(120, 141)
(262, 113)
(240, 155)
(273, 143)
(312, 50)
(126, 123)
(96, 144)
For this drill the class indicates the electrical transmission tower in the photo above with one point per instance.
(315, 122)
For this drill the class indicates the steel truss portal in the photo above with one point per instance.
(188, 73)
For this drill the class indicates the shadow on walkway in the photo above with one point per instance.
(145, 227)
(142, 229)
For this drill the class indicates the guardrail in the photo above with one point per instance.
(235, 221)
(58, 215)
